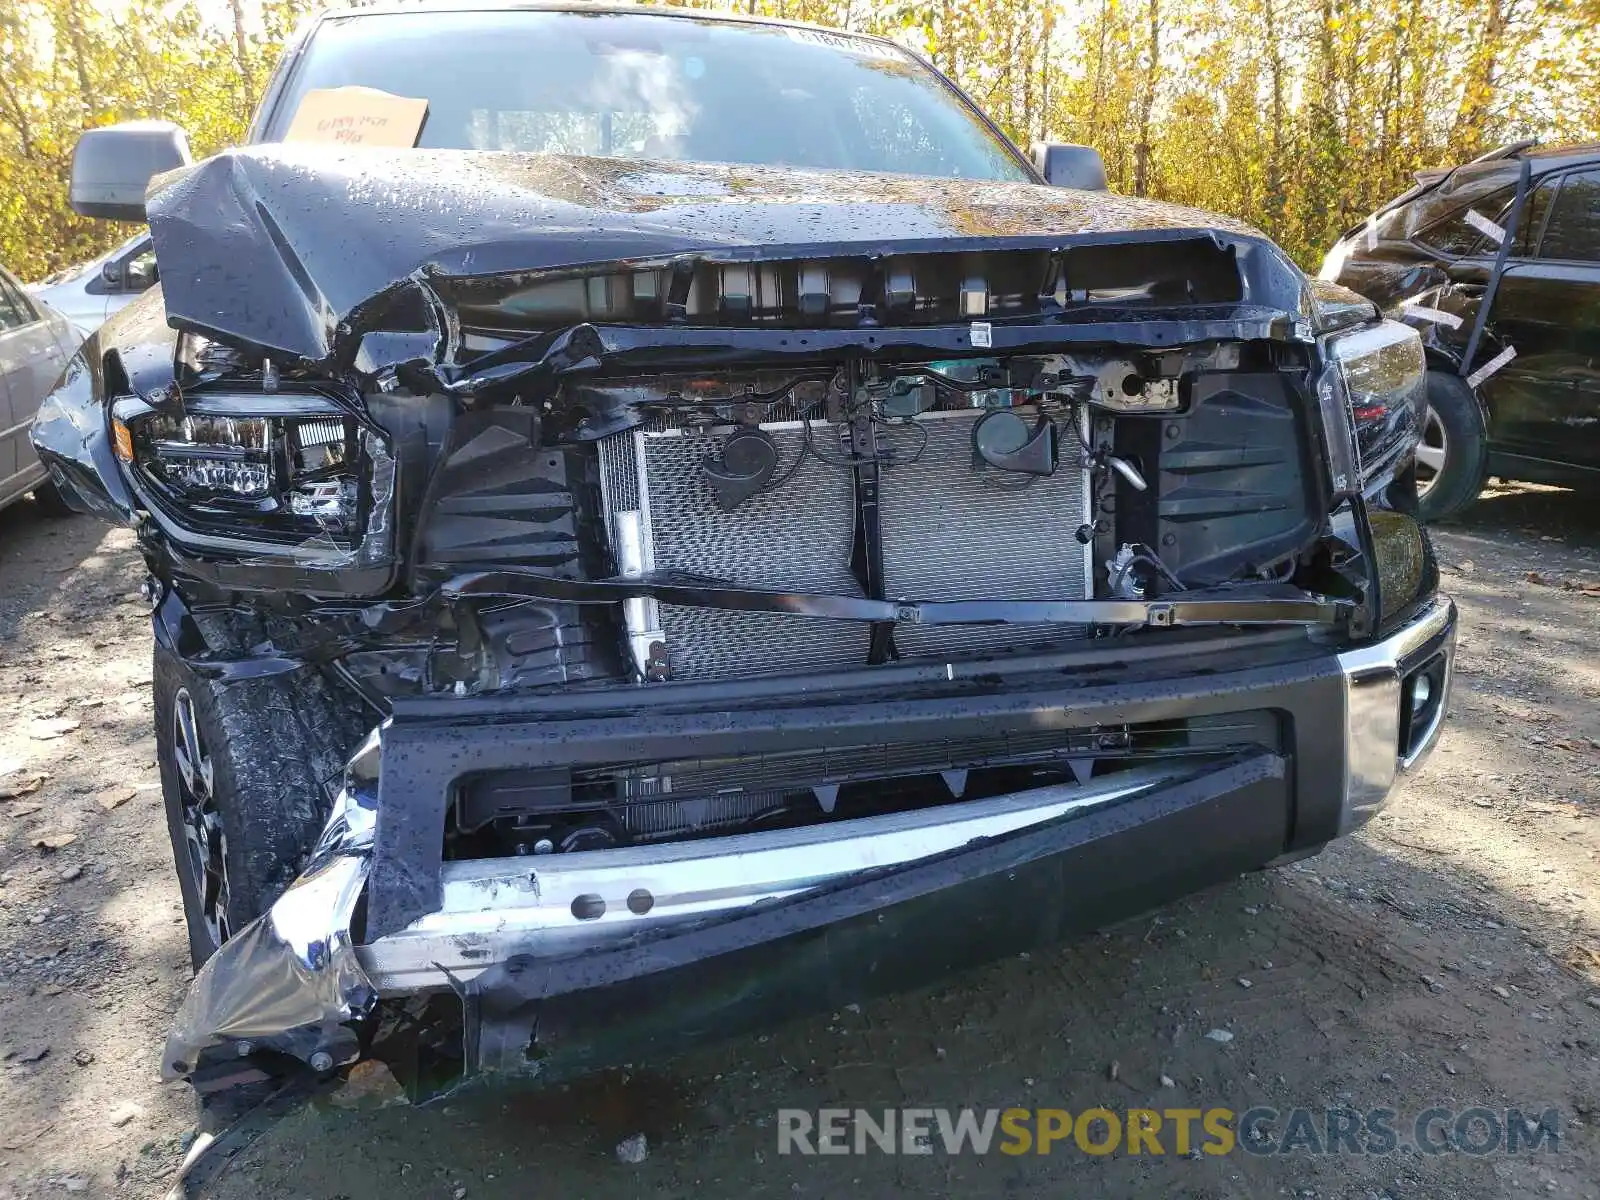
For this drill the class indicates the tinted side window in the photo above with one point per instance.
(1574, 229)
(1533, 211)
(15, 311)
(1456, 234)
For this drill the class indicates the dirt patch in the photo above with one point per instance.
(1446, 956)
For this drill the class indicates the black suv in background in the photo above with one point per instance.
(1462, 260)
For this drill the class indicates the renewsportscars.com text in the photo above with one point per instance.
(1168, 1131)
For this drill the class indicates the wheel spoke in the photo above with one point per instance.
(181, 756)
(205, 842)
(195, 844)
(186, 742)
(1431, 457)
(1432, 453)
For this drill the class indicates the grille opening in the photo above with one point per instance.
(565, 809)
(949, 532)
(837, 291)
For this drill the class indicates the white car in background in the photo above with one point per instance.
(90, 292)
(35, 344)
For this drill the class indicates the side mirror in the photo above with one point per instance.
(112, 166)
(1064, 165)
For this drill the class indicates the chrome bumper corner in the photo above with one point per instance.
(289, 981)
(1381, 746)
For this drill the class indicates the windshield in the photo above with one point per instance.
(641, 86)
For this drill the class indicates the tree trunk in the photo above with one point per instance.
(19, 117)
(1044, 71)
(74, 31)
(1472, 118)
(1098, 94)
(241, 49)
(1141, 162)
(1276, 194)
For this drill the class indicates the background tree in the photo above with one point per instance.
(1299, 116)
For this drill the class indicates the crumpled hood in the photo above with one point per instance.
(287, 249)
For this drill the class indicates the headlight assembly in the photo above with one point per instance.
(1376, 383)
(261, 480)
(226, 459)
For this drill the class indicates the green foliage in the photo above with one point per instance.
(1299, 116)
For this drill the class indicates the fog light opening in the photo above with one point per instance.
(1421, 706)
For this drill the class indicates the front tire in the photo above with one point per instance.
(245, 774)
(1451, 458)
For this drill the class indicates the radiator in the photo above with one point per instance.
(949, 533)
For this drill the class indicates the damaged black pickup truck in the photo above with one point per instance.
(711, 530)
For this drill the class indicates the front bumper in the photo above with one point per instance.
(597, 956)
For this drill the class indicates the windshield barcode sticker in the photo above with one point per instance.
(1490, 367)
(1485, 226)
(982, 335)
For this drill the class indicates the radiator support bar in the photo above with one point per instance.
(1269, 604)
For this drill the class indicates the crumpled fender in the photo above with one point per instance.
(1442, 315)
(133, 353)
(70, 433)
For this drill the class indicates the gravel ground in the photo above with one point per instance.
(1449, 955)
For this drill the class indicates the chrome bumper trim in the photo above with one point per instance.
(562, 903)
(1374, 761)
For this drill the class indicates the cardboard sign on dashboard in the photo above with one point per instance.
(357, 116)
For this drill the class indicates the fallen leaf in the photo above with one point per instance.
(26, 810)
(113, 797)
(54, 841)
(52, 727)
(20, 787)
(1535, 577)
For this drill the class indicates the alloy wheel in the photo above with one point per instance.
(204, 838)
(1432, 453)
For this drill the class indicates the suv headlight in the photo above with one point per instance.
(1375, 383)
(260, 480)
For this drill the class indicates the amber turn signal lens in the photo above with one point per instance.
(123, 440)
